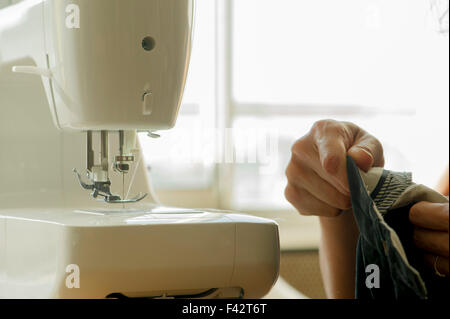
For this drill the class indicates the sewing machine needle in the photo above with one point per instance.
(123, 189)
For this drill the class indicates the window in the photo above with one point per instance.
(5, 3)
(380, 64)
(277, 66)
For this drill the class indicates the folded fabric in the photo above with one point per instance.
(381, 201)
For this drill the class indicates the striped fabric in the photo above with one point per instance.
(394, 185)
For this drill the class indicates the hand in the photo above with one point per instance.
(317, 172)
(431, 234)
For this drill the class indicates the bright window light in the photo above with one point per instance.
(380, 64)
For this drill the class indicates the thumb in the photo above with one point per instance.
(367, 153)
(363, 158)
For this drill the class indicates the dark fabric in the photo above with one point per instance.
(375, 247)
(398, 219)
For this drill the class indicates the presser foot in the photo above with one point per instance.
(103, 190)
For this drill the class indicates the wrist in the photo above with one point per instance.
(339, 225)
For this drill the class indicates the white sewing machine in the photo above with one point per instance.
(78, 79)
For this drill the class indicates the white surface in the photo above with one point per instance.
(283, 290)
(150, 251)
(107, 91)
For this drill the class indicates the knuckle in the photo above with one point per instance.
(326, 131)
(415, 212)
(289, 193)
(342, 130)
(294, 173)
(288, 172)
(303, 213)
(379, 149)
(299, 146)
(345, 203)
(294, 197)
(335, 213)
(378, 145)
(327, 126)
(321, 125)
(318, 125)
(351, 129)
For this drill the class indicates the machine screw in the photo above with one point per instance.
(148, 43)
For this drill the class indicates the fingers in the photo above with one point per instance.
(305, 155)
(431, 216)
(332, 157)
(431, 241)
(332, 140)
(367, 151)
(306, 204)
(306, 178)
(317, 174)
(363, 159)
(431, 233)
(441, 263)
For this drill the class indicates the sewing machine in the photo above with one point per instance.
(78, 217)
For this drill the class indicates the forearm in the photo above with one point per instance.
(338, 255)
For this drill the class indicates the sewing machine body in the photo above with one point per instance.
(148, 252)
(77, 80)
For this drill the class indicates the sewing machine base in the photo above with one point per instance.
(152, 252)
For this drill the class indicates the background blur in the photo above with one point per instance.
(282, 65)
(277, 66)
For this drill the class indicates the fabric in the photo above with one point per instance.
(381, 201)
